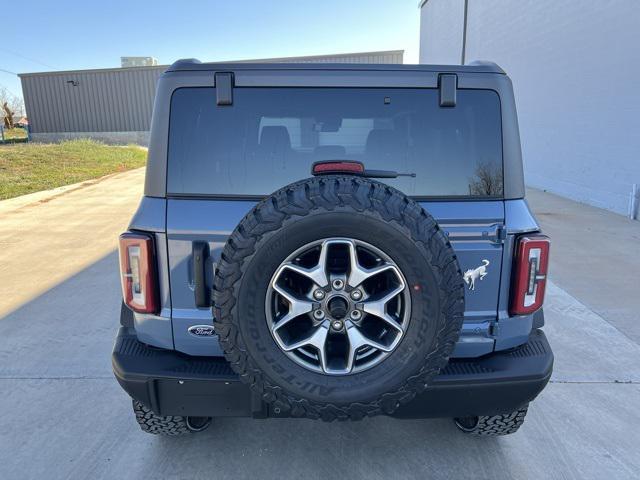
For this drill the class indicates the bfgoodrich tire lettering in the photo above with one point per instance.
(348, 207)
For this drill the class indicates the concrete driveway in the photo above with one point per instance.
(64, 416)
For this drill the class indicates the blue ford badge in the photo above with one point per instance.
(201, 330)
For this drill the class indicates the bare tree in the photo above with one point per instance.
(11, 107)
(8, 116)
(487, 181)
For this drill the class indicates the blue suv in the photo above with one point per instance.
(333, 242)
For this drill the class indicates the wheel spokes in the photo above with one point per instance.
(359, 274)
(317, 340)
(297, 307)
(356, 341)
(378, 307)
(317, 274)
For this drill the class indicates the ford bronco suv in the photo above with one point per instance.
(333, 242)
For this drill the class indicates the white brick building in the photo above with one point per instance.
(575, 68)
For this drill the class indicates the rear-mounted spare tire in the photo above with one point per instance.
(338, 297)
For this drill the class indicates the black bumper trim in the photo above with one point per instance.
(171, 383)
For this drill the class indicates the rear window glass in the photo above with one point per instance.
(270, 137)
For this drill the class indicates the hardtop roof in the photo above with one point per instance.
(189, 65)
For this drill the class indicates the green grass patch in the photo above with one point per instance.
(32, 167)
(15, 133)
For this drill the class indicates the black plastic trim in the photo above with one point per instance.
(126, 316)
(199, 255)
(538, 318)
(224, 88)
(258, 198)
(171, 383)
(448, 85)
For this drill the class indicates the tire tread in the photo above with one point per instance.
(497, 425)
(158, 425)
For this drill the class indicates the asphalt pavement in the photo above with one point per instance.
(64, 415)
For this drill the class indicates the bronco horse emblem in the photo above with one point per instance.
(471, 275)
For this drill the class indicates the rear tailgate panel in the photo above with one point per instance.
(189, 221)
(474, 229)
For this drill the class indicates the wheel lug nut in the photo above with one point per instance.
(355, 314)
(356, 295)
(318, 314)
(337, 324)
(318, 294)
(338, 284)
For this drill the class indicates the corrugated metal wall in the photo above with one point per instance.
(121, 99)
(114, 100)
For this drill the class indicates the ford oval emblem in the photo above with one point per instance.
(202, 330)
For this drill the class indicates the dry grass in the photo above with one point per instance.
(15, 133)
(31, 167)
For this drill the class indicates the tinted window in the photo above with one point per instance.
(270, 137)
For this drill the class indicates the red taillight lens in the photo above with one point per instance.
(138, 272)
(530, 274)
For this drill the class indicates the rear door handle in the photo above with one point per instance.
(199, 256)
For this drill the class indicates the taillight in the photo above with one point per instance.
(138, 272)
(530, 274)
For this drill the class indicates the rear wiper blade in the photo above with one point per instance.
(385, 174)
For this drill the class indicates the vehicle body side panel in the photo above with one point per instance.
(151, 215)
(155, 330)
(513, 331)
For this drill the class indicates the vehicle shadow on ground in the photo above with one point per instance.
(373, 448)
(65, 416)
(55, 364)
(67, 331)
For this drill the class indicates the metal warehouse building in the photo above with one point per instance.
(575, 69)
(115, 104)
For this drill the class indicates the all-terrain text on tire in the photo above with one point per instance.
(333, 242)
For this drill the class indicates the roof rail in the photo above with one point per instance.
(485, 63)
(184, 62)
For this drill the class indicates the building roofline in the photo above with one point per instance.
(93, 70)
(314, 57)
(252, 61)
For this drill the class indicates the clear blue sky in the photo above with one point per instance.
(66, 35)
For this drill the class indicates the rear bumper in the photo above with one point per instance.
(171, 383)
